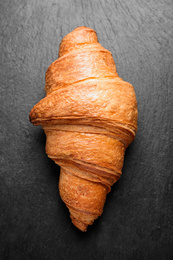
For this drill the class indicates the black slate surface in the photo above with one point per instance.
(137, 220)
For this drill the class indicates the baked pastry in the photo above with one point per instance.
(89, 116)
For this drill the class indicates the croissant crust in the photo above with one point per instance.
(89, 116)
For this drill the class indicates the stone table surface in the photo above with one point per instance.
(137, 222)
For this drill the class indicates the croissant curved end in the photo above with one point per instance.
(80, 37)
(89, 116)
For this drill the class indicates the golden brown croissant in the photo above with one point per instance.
(89, 116)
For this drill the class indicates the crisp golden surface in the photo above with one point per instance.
(89, 116)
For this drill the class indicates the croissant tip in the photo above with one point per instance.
(31, 117)
(79, 224)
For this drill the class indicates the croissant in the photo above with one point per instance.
(89, 116)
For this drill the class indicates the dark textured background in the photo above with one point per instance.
(137, 220)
